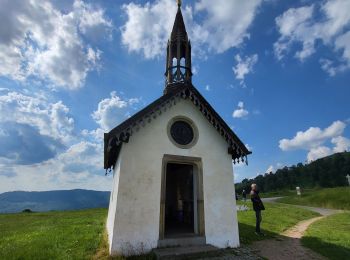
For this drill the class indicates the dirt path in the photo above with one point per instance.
(287, 245)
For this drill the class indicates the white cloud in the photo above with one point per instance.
(195, 69)
(148, 27)
(306, 26)
(92, 20)
(22, 144)
(112, 111)
(318, 152)
(240, 112)
(80, 166)
(207, 88)
(341, 144)
(270, 169)
(248, 147)
(226, 22)
(39, 149)
(225, 25)
(314, 138)
(244, 66)
(291, 25)
(33, 128)
(51, 119)
(38, 40)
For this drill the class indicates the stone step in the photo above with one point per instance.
(183, 251)
(184, 241)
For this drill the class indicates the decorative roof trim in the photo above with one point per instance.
(121, 134)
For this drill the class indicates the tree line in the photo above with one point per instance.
(326, 172)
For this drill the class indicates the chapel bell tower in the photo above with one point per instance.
(178, 62)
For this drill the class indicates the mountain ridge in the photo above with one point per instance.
(16, 201)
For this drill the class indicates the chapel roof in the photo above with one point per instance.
(121, 133)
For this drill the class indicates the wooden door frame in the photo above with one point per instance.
(196, 162)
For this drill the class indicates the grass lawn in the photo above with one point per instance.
(330, 236)
(51, 235)
(280, 193)
(334, 198)
(81, 234)
(276, 219)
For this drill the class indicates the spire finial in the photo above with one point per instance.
(178, 3)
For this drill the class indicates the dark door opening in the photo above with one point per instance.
(179, 202)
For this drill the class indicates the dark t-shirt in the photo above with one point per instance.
(257, 203)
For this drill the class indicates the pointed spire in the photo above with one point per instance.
(179, 29)
(178, 64)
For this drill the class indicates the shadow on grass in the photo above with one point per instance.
(247, 234)
(329, 250)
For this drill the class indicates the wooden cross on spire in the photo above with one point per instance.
(178, 3)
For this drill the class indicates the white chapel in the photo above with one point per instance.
(172, 167)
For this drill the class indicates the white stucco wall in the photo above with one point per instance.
(113, 203)
(136, 221)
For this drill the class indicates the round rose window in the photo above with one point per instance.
(182, 132)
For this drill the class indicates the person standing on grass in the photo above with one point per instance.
(258, 206)
(244, 195)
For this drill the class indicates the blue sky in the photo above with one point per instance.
(278, 72)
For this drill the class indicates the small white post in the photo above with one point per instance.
(298, 191)
(348, 177)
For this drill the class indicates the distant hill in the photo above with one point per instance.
(326, 172)
(17, 201)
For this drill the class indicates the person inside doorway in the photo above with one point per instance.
(258, 206)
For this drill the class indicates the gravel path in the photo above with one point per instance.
(322, 211)
(287, 245)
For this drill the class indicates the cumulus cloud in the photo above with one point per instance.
(80, 166)
(53, 50)
(39, 149)
(304, 25)
(291, 25)
(244, 66)
(240, 112)
(318, 152)
(23, 144)
(341, 144)
(51, 119)
(225, 25)
(148, 26)
(92, 20)
(226, 22)
(314, 138)
(112, 111)
(32, 128)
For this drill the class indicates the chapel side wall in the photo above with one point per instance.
(220, 214)
(113, 204)
(137, 216)
(235, 224)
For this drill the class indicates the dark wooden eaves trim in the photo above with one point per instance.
(124, 131)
